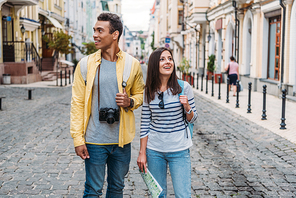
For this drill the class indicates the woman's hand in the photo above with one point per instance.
(141, 161)
(184, 102)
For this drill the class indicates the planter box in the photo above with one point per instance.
(217, 78)
(210, 75)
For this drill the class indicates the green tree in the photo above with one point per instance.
(89, 48)
(60, 42)
(185, 65)
(211, 64)
(152, 43)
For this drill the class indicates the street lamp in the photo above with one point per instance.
(23, 30)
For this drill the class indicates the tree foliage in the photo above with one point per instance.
(211, 64)
(152, 43)
(60, 42)
(184, 65)
(89, 48)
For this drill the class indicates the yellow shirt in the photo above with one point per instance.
(82, 98)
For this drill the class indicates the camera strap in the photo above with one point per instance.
(126, 71)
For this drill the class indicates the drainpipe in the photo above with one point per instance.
(204, 52)
(283, 42)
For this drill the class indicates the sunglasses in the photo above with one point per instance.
(161, 103)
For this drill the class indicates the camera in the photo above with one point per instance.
(109, 114)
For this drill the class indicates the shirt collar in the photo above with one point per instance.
(99, 57)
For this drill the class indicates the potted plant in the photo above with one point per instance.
(211, 66)
(184, 68)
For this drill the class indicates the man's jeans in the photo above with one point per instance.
(180, 169)
(117, 160)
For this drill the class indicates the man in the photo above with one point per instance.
(96, 141)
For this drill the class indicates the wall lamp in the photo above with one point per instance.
(23, 30)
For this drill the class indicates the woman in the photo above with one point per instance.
(233, 74)
(164, 136)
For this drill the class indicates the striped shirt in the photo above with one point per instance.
(165, 128)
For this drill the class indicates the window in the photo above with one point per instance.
(180, 17)
(57, 2)
(274, 47)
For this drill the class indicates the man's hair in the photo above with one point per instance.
(232, 58)
(114, 21)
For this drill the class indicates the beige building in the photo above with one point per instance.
(19, 58)
(258, 34)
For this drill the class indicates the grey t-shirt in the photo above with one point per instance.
(100, 132)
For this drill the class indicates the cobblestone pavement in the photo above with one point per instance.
(231, 156)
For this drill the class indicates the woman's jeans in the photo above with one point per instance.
(180, 169)
(117, 160)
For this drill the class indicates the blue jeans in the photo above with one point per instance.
(117, 160)
(180, 169)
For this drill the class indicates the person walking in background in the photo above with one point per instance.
(102, 118)
(165, 139)
(233, 73)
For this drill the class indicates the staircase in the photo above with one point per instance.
(48, 75)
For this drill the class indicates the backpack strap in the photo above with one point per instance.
(83, 68)
(181, 83)
(127, 69)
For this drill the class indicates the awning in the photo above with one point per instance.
(67, 62)
(53, 21)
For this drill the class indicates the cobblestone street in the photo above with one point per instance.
(231, 156)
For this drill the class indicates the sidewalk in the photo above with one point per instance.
(273, 108)
(47, 84)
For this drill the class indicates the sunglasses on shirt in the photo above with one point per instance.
(161, 103)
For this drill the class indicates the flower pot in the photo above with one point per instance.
(210, 75)
(217, 78)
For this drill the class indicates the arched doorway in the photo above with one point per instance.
(247, 43)
(292, 61)
(229, 45)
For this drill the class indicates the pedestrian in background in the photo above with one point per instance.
(165, 140)
(233, 73)
(97, 142)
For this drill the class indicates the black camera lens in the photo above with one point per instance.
(110, 116)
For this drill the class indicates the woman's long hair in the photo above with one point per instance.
(153, 82)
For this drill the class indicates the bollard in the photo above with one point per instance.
(201, 89)
(249, 98)
(197, 81)
(264, 104)
(190, 78)
(65, 77)
(57, 83)
(1, 102)
(283, 124)
(193, 74)
(29, 94)
(212, 85)
(69, 76)
(219, 90)
(61, 75)
(237, 94)
(227, 92)
(207, 84)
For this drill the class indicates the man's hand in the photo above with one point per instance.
(82, 151)
(122, 99)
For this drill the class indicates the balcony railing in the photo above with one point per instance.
(20, 51)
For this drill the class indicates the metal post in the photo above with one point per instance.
(201, 89)
(0, 103)
(69, 76)
(197, 81)
(193, 74)
(237, 94)
(264, 104)
(65, 76)
(57, 83)
(212, 85)
(219, 91)
(227, 93)
(61, 75)
(29, 94)
(283, 124)
(190, 78)
(206, 84)
(249, 99)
